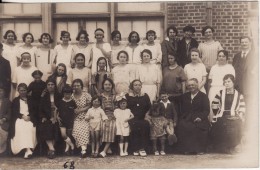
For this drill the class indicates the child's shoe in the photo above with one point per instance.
(156, 153)
(102, 154)
(142, 153)
(136, 153)
(122, 154)
(126, 153)
(162, 153)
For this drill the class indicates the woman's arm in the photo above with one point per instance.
(203, 82)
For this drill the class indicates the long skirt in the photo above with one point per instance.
(226, 133)
(151, 90)
(3, 140)
(108, 131)
(25, 136)
(213, 91)
(80, 132)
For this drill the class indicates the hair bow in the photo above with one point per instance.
(120, 97)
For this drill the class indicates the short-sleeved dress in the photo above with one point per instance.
(108, 129)
(81, 127)
(122, 127)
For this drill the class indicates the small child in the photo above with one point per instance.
(95, 115)
(167, 109)
(123, 115)
(66, 110)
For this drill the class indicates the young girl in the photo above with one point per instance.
(95, 115)
(66, 115)
(122, 74)
(60, 77)
(100, 76)
(63, 51)
(123, 115)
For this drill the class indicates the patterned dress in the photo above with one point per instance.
(81, 127)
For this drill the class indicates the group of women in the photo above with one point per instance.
(40, 74)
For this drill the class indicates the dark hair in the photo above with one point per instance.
(224, 52)
(205, 28)
(194, 50)
(63, 33)
(150, 32)
(80, 54)
(37, 72)
(114, 33)
(46, 35)
(22, 85)
(118, 54)
(52, 80)
(67, 89)
(95, 98)
(84, 32)
(99, 29)
(10, 31)
(131, 86)
(130, 35)
(26, 34)
(146, 51)
(172, 28)
(110, 81)
(120, 101)
(231, 76)
(101, 58)
(244, 37)
(77, 81)
(189, 28)
(1, 45)
(194, 79)
(55, 74)
(24, 54)
(155, 108)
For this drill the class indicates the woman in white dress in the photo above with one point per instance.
(83, 47)
(196, 69)
(216, 75)
(148, 74)
(22, 74)
(23, 130)
(80, 72)
(100, 49)
(10, 52)
(45, 56)
(28, 39)
(116, 47)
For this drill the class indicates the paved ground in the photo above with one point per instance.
(212, 160)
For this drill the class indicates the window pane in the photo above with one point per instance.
(32, 8)
(20, 29)
(81, 7)
(125, 27)
(12, 9)
(7, 26)
(122, 7)
(36, 30)
(73, 29)
(16, 9)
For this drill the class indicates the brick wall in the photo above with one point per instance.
(229, 19)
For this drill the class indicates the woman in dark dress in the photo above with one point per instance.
(229, 108)
(139, 104)
(192, 130)
(49, 128)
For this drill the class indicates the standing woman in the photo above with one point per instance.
(45, 56)
(116, 47)
(100, 49)
(108, 128)
(169, 45)
(80, 72)
(196, 69)
(209, 48)
(49, 128)
(139, 104)
(23, 131)
(28, 39)
(83, 47)
(149, 75)
(80, 129)
(5, 114)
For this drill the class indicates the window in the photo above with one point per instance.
(18, 9)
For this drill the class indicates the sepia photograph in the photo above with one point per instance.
(129, 85)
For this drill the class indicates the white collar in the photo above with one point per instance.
(193, 95)
(168, 102)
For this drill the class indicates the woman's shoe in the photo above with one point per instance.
(136, 153)
(156, 153)
(95, 155)
(83, 154)
(102, 154)
(126, 153)
(142, 153)
(51, 154)
(162, 153)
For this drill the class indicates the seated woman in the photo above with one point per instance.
(23, 130)
(5, 113)
(229, 109)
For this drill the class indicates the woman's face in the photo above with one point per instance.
(171, 59)
(99, 35)
(116, 38)
(2, 93)
(26, 59)
(28, 39)
(137, 86)
(60, 70)
(122, 58)
(10, 38)
(134, 38)
(222, 58)
(146, 57)
(107, 86)
(102, 64)
(187, 34)
(82, 39)
(22, 91)
(80, 61)
(194, 57)
(50, 87)
(77, 87)
(150, 37)
(172, 34)
(45, 40)
(65, 38)
(208, 33)
(228, 83)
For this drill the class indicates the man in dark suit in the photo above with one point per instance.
(5, 72)
(185, 45)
